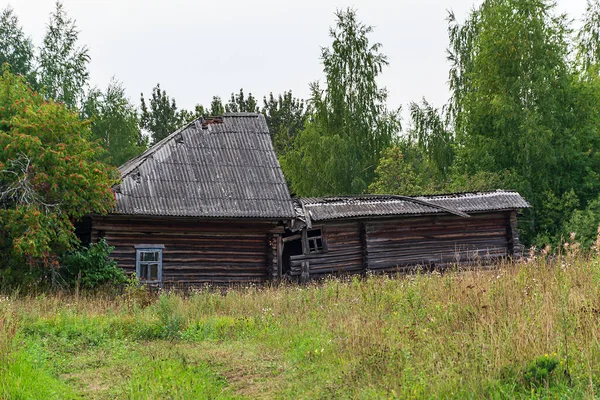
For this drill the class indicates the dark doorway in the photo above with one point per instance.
(292, 246)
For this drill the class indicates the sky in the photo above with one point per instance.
(199, 49)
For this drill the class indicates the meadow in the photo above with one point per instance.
(519, 330)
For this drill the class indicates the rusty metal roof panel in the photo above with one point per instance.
(321, 209)
(226, 169)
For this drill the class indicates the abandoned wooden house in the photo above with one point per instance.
(210, 204)
(206, 204)
(398, 234)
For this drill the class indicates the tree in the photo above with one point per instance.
(115, 124)
(350, 125)
(588, 38)
(286, 116)
(517, 109)
(433, 135)
(16, 49)
(185, 116)
(394, 175)
(63, 64)
(49, 175)
(216, 106)
(161, 119)
(240, 103)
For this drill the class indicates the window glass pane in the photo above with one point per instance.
(149, 256)
(143, 271)
(153, 272)
(313, 233)
(319, 244)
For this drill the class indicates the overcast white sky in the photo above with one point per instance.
(197, 49)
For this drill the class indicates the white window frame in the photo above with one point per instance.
(148, 248)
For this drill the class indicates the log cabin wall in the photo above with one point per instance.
(399, 244)
(343, 251)
(437, 241)
(195, 252)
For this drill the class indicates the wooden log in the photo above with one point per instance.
(305, 274)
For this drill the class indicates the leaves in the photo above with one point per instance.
(349, 124)
(115, 124)
(16, 49)
(286, 116)
(50, 176)
(516, 103)
(161, 119)
(63, 64)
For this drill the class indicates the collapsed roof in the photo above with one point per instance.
(328, 208)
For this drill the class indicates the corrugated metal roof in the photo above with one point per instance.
(327, 208)
(227, 169)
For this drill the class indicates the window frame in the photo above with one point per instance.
(306, 240)
(149, 248)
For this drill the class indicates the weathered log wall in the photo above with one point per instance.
(344, 253)
(195, 252)
(404, 243)
(436, 241)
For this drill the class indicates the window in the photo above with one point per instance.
(314, 238)
(149, 264)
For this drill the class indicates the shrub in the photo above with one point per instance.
(92, 266)
(540, 370)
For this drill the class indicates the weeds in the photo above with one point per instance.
(475, 334)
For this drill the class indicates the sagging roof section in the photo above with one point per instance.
(226, 168)
(309, 210)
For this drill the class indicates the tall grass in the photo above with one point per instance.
(515, 331)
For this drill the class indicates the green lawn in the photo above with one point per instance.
(520, 331)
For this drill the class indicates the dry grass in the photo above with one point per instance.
(469, 334)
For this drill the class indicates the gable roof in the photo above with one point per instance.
(327, 208)
(223, 169)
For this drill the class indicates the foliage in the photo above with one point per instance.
(91, 267)
(115, 123)
(517, 107)
(588, 38)
(473, 334)
(433, 135)
(63, 64)
(216, 106)
(185, 116)
(349, 126)
(161, 119)
(16, 49)
(395, 176)
(49, 173)
(286, 116)
(540, 370)
(584, 223)
(240, 103)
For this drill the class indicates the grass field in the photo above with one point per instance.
(529, 330)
